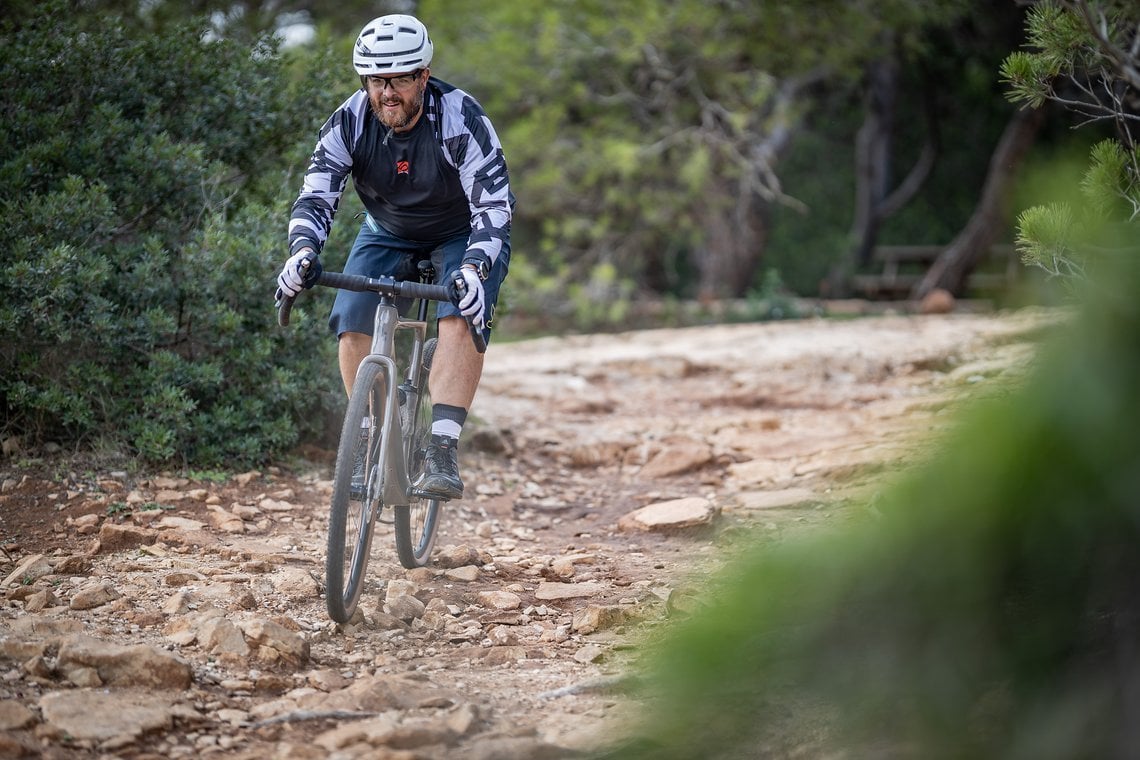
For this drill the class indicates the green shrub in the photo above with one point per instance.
(987, 608)
(147, 179)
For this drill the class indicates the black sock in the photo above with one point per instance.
(447, 420)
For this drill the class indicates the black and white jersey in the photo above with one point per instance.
(445, 176)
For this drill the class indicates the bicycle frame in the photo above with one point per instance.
(388, 480)
(395, 486)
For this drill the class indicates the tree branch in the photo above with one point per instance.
(918, 173)
(1126, 64)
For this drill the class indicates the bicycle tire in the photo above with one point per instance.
(352, 520)
(416, 523)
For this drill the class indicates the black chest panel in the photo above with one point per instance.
(406, 183)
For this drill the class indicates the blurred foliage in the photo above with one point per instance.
(650, 140)
(146, 179)
(636, 146)
(986, 607)
(236, 19)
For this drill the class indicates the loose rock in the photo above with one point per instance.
(670, 516)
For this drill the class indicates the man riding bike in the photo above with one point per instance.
(428, 166)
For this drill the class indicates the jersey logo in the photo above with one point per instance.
(403, 167)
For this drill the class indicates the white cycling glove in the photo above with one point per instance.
(296, 271)
(473, 304)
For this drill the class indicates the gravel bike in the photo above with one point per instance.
(383, 441)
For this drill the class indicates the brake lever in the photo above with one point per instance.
(476, 333)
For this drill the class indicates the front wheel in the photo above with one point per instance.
(417, 521)
(416, 524)
(356, 493)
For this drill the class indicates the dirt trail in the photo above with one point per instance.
(170, 617)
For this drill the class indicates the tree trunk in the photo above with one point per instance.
(873, 156)
(954, 265)
(733, 236)
(875, 201)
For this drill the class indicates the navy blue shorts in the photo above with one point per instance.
(378, 252)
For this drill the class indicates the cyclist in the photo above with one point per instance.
(430, 171)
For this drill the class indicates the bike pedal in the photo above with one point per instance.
(418, 494)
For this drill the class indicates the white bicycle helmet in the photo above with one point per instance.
(393, 44)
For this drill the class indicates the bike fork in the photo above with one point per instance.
(394, 482)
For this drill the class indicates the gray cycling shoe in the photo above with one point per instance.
(440, 478)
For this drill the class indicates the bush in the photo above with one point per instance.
(988, 608)
(144, 182)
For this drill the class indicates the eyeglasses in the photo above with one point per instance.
(399, 82)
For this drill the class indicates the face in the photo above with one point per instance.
(397, 99)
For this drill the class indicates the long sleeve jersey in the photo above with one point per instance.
(445, 176)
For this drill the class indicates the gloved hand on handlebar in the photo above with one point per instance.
(300, 272)
(468, 296)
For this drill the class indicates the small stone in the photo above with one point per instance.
(667, 516)
(502, 635)
(677, 457)
(589, 653)
(274, 505)
(465, 574)
(500, 600)
(95, 595)
(40, 601)
(179, 523)
(76, 564)
(596, 618)
(103, 716)
(504, 655)
(327, 680)
(550, 591)
(182, 578)
(398, 587)
(139, 665)
(113, 537)
(176, 604)
(83, 521)
(220, 636)
(406, 608)
(14, 716)
(30, 568)
(458, 556)
(265, 634)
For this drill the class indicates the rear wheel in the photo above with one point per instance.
(416, 522)
(352, 517)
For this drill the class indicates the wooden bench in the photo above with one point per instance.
(901, 267)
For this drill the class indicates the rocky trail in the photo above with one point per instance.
(176, 616)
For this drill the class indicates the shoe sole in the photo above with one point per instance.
(426, 492)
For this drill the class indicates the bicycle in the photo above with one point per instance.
(387, 426)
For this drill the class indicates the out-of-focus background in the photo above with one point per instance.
(674, 162)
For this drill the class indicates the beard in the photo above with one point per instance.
(404, 110)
